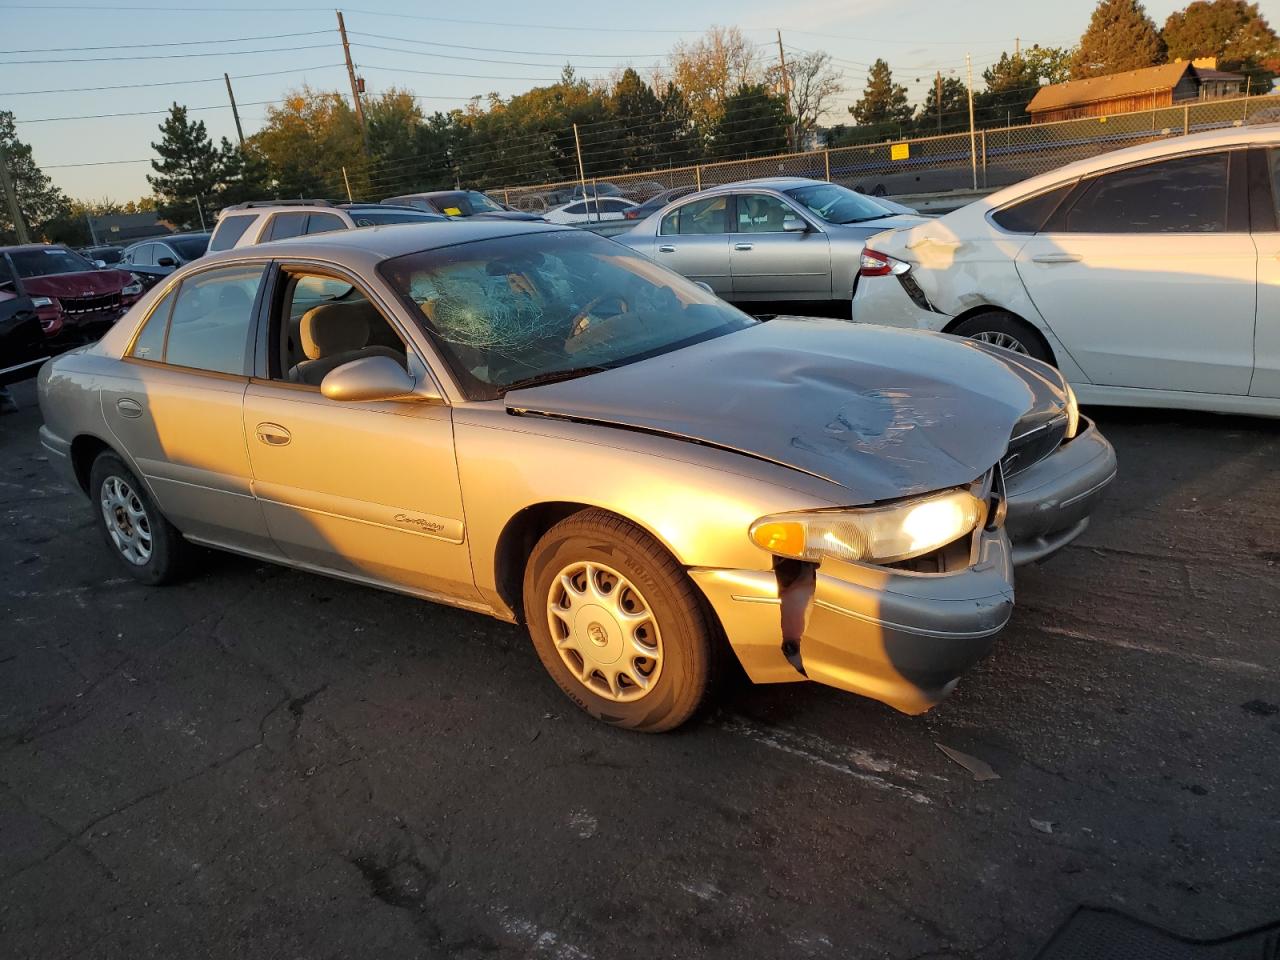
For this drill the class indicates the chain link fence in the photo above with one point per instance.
(989, 159)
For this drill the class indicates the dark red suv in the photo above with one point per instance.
(73, 297)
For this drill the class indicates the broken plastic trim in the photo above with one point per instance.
(797, 583)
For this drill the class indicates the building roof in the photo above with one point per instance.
(1057, 96)
(1074, 93)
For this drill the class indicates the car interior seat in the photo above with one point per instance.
(336, 333)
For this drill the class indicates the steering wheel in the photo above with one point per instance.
(582, 319)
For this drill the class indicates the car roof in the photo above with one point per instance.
(19, 247)
(1151, 150)
(371, 245)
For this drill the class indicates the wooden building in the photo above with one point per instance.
(1146, 89)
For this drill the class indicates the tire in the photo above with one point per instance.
(147, 545)
(636, 578)
(1003, 329)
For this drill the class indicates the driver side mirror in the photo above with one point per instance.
(795, 225)
(166, 262)
(705, 286)
(374, 378)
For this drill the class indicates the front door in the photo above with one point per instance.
(693, 240)
(1148, 279)
(1266, 238)
(770, 262)
(365, 489)
(176, 407)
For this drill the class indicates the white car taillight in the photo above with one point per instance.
(876, 264)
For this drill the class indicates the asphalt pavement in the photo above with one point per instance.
(264, 763)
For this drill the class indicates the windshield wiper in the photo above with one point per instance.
(878, 216)
(551, 376)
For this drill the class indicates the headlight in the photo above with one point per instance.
(1073, 413)
(876, 534)
(132, 289)
(41, 302)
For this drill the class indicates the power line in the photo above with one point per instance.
(144, 113)
(172, 56)
(448, 56)
(536, 53)
(169, 83)
(172, 43)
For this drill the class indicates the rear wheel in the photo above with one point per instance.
(617, 623)
(149, 546)
(1002, 329)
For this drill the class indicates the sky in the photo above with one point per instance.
(444, 53)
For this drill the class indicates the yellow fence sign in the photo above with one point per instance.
(899, 151)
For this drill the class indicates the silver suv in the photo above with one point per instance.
(258, 221)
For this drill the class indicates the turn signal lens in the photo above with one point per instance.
(885, 534)
(1073, 414)
(783, 537)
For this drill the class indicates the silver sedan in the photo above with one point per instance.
(784, 239)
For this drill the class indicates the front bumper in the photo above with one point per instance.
(1050, 502)
(899, 637)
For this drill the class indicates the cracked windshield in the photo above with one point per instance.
(518, 311)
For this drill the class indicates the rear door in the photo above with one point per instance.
(175, 407)
(1148, 275)
(768, 261)
(693, 240)
(1264, 180)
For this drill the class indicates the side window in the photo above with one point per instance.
(144, 255)
(1182, 195)
(149, 344)
(324, 223)
(324, 322)
(229, 230)
(212, 317)
(698, 217)
(1273, 166)
(163, 251)
(613, 206)
(1029, 216)
(284, 225)
(760, 213)
(576, 208)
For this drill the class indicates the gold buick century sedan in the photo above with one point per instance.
(542, 425)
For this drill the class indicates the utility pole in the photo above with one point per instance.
(19, 225)
(1017, 46)
(786, 90)
(937, 97)
(973, 139)
(234, 112)
(355, 86)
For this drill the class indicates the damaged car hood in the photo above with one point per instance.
(885, 413)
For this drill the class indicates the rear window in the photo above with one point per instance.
(1029, 216)
(376, 218)
(189, 248)
(229, 231)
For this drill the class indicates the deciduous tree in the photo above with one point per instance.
(712, 68)
(814, 83)
(38, 199)
(1234, 31)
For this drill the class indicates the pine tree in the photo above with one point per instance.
(1120, 37)
(1234, 31)
(883, 101)
(1010, 83)
(188, 173)
(39, 200)
(754, 124)
(638, 113)
(954, 102)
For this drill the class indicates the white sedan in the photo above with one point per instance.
(589, 211)
(1150, 276)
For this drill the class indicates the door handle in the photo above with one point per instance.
(666, 248)
(129, 407)
(743, 246)
(1057, 258)
(273, 435)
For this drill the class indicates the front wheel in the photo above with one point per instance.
(149, 546)
(617, 623)
(1002, 329)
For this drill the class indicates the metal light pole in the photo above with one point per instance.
(973, 138)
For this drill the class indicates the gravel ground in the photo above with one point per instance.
(263, 763)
